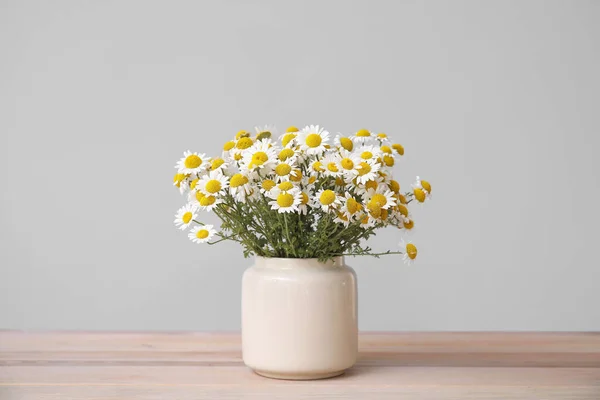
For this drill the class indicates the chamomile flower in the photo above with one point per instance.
(331, 165)
(240, 186)
(341, 218)
(304, 202)
(192, 162)
(347, 163)
(312, 139)
(383, 198)
(316, 167)
(373, 184)
(284, 171)
(265, 132)
(344, 142)
(267, 185)
(202, 233)
(283, 187)
(327, 199)
(260, 155)
(213, 184)
(382, 138)
(363, 136)
(367, 171)
(410, 251)
(368, 153)
(421, 190)
(286, 201)
(185, 215)
(351, 207)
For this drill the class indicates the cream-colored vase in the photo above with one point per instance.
(299, 318)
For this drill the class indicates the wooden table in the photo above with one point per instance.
(184, 366)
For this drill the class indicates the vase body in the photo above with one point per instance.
(299, 318)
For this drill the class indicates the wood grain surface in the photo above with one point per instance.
(186, 366)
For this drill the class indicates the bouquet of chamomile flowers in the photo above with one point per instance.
(299, 195)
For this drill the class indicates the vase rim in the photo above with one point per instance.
(276, 261)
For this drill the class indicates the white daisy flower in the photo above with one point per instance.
(327, 200)
(286, 201)
(367, 171)
(342, 218)
(289, 155)
(213, 184)
(185, 215)
(289, 139)
(267, 185)
(351, 207)
(202, 201)
(316, 167)
(283, 187)
(261, 155)
(410, 251)
(265, 132)
(368, 153)
(240, 185)
(192, 163)
(382, 197)
(304, 202)
(202, 234)
(348, 163)
(343, 142)
(367, 221)
(373, 184)
(363, 136)
(382, 138)
(312, 139)
(331, 164)
(285, 171)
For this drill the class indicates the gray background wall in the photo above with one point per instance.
(495, 102)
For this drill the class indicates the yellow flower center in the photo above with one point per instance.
(426, 186)
(285, 200)
(384, 214)
(366, 155)
(409, 225)
(207, 200)
(346, 143)
(419, 195)
(285, 154)
(283, 169)
(365, 168)
(285, 186)
(327, 197)
(365, 220)
(238, 180)
(374, 209)
(259, 158)
(379, 199)
(386, 149)
(402, 209)
(244, 143)
(199, 196)
(304, 198)
(388, 160)
(194, 183)
(401, 198)
(339, 181)
(371, 185)
(382, 136)
(332, 167)
(287, 138)
(213, 186)
(312, 179)
(229, 145)
(363, 133)
(352, 205)
(242, 134)
(216, 163)
(237, 157)
(263, 135)
(296, 176)
(411, 250)
(342, 217)
(347, 163)
(202, 234)
(394, 186)
(317, 166)
(292, 129)
(187, 217)
(267, 184)
(313, 140)
(192, 161)
(398, 148)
